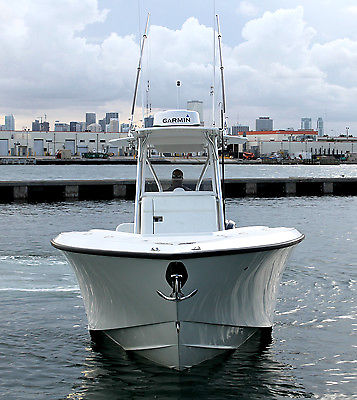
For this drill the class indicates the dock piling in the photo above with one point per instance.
(20, 192)
(71, 191)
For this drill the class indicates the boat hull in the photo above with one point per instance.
(236, 295)
(192, 345)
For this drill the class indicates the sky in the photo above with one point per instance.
(285, 59)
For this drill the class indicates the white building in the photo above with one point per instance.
(306, 149)
(94, 128)
(273, 136)
(264, 124)
(196, 105)
(27, 143)
(113, 125)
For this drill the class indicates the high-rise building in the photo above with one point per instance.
(74, 126)
(124, 127)
(320, 127)
(44, 126)
(102, 123)
(306, 124)
(113, 125)
(9, 122)
(196, 105)
(109, 116)
(36, 126)
(91, 118)
(239, 128)
(148, 121)
(61, 127)
(264, 124)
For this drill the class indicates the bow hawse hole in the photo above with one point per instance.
(176, 268)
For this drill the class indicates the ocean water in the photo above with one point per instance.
(57, 172)
(46, 351)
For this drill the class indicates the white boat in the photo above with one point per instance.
(176, 286)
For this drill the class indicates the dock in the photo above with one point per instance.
(106, 189)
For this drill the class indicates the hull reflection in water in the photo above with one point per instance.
(249, 373)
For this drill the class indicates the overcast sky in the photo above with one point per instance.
(283, 58)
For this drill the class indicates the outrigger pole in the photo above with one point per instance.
(223, 112)
(138, 73)
(141, 142)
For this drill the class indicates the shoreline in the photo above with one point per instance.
(51, 160)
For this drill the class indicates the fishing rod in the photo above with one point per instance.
(223, 112)
(213, 87)
(138, 73)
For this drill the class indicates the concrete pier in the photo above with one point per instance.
(69, 190)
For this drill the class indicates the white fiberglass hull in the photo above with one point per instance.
(236, 295)
(180, 345)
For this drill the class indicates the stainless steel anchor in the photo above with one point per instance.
(176, 295)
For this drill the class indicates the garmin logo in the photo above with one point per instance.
(176, 120)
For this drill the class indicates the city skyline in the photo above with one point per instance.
(283, 61)
(115, 125)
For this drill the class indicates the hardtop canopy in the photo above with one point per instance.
(177, 139)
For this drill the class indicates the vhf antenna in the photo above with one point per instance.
(138, 73)
(223, 110)
(147, 98)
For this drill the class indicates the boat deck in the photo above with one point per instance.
(116, 243)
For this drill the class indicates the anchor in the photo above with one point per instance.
(176, 277)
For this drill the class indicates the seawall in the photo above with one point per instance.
(64, 190)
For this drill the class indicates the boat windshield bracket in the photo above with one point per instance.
(158, 183)
(204, 169)
(216, 179)
(140, 181)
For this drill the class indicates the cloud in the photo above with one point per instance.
(46, 61)
(247, 9)
(351, 10)
(278, 68)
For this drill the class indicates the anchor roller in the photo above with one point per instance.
(176, 277)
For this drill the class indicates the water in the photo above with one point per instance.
(46, 352)
(57, 172)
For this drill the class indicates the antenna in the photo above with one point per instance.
(138, 73)
(147, 98)
(178, 84)
(223, 111)
(221, 66)
(214, 66)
